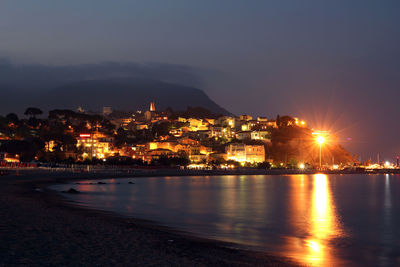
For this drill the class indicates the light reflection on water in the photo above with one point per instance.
(316, 219)
(324, 221)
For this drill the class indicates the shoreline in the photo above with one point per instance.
(43, 219)
(134, 172)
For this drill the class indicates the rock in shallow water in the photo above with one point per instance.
(71, 191)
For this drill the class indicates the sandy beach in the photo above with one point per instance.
(39, 228)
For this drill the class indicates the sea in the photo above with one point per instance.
(317, 219)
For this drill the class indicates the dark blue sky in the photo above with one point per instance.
(333, 63)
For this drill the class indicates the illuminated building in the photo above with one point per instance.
(95, 145)
(152, 106)
(5, 157)
(188, 141)
(245, 127)
(196, 158)
(260, 124)
(210, 121)
(3, 136)
(122, 122)
(80, 110)
(200, 135)
(243, 135)
(245, 153)
(161, 145)
(205, 150)
(197, 124)
(197, 166)
(142, 126)
(176, 132)
(148, 115)
(151, 113)
(160, 117)
(157, 153)
(49, 146)
(300, 123)
(174, 145)
(107, 111)
(135, 152)
(219, 131)
(264, 119)
(245, 118)
(260, 135)
(184, 146)
(272, 123)
(242, 123)
(226, 121)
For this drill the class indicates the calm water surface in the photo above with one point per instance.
(321, 220)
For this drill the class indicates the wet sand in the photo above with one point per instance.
(39, 228)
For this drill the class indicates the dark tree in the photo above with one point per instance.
(161, 128)
(171, 161)
(169, 111)
(278, 120)
(264, 165)
(61, 114)
(285, 121)
(33, 112)
(121, 138)
(12, 117)
(26, 149)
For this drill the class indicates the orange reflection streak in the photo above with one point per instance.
(299, 200)
(324, 222)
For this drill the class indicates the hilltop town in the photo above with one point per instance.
(194, 138)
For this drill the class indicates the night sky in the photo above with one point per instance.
(335, 64)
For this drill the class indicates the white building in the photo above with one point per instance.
(245, 153)
(243, 135)
(260, 135)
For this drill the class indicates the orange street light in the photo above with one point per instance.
(320, 139)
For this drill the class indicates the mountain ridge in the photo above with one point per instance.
(128, 94)
(123, 86)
